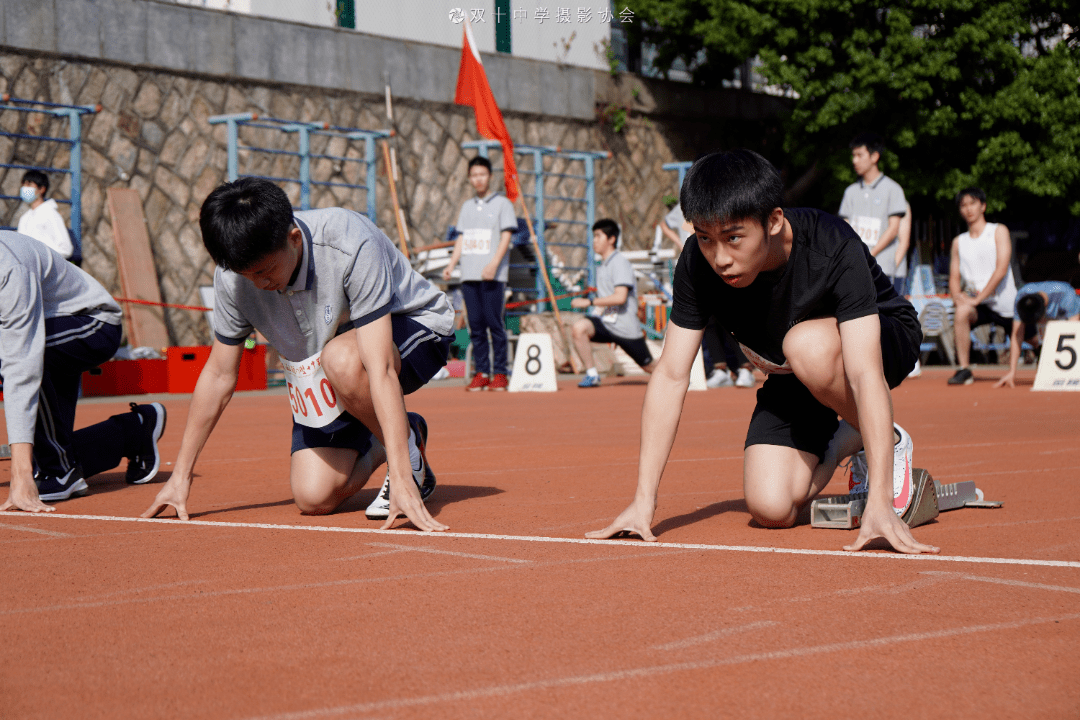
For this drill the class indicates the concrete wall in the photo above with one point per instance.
(160, 70)
(195, 40)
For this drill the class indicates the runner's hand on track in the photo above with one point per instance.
(405, 500)
(24, 496)
(884, 523)
(634, 519)
(173, 494)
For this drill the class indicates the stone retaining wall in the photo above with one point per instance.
(152, 135)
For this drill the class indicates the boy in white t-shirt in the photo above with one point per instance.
(42, 219)
(980, 278)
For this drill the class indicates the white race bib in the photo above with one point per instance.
(766, 366)
(314, 403)
(476, 241)
(868, 228)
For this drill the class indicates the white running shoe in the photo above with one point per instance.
(745, 379)
(903, 491)
(379, 509)
(719, 379)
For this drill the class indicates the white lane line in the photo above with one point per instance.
(655, 670)
(413, 548)
(371, 555)
(887, 589)
(716, 635)
(581, 541)
(166, 586)
(50, 533)
(1014, 583)
(202, 595)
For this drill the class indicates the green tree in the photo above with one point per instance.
(964, 91)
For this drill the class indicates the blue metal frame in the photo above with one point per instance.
(74, 114)
(681, 167)
(304, 132)
(539, 153)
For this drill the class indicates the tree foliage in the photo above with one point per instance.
(966, 92)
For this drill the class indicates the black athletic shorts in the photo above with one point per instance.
(636, 349)
(423, 353)
(787, 414)
(985, 315)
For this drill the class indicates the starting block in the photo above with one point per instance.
(931, 497)
(5, 452)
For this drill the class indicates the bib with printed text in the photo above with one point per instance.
(868, 228)
(314, 403)
(476, 241)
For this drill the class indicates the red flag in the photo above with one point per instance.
(473, 90)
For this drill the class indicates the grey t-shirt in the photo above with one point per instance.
(620, 320)
(350, 275)
(36, 284)
(868, 209)
(481, 222)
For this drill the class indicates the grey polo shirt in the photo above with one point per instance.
(620, 320)
(868, 209)
(37, 284)
(481, 222)
(350, 275)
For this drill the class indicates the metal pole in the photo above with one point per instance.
(305, 167)
(590, 218)
(75, 164)
(369, 156)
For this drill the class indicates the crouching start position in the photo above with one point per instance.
(810, 307)
(357, 329)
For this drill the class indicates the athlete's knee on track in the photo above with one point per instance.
(771, 508)
(314, 498)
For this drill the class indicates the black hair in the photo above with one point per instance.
(38, 178)
(1031, 308)
(974, 192)
(481, 161)
(607, 226)
(873, 143)
(244, 221)
(732, 185)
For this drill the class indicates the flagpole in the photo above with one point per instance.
(547, 282)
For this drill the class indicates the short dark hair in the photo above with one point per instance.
(1031, 308)
(607, 226)
(244, 221)
(481, 161)
(873, 142)
(733, 185)
(974, 192)
(38, 178)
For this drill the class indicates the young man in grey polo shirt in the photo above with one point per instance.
(874, 206)
(357, 329)
(55, 323)
(615, 319)
(486, 224)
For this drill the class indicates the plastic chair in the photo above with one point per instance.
(937, 330)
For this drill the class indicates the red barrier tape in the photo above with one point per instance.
(167, 305)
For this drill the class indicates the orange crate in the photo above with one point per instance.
(125, 377)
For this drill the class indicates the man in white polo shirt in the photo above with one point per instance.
(873, 206)
(486, 225)
(357, 329)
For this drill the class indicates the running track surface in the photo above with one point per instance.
(254, 611)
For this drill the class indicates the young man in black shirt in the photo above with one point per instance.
(801, 293)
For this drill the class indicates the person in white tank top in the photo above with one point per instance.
(980, 278)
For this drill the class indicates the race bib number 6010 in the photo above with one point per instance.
(311, 396)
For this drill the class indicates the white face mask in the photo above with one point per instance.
(28, 193)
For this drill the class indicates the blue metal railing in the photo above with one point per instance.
(541, 221)
(304, 132)
(74, 114)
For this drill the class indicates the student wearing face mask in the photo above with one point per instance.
(42, 220)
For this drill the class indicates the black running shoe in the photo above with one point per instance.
(143, 467)
(963, 376)
(51, 488)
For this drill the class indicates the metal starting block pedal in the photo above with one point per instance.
(5, 452)
(931, 498)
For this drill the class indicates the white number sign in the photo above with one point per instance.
(1059, 363)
